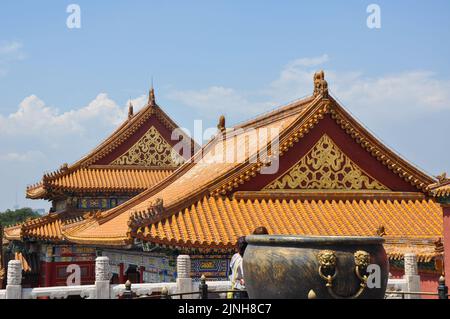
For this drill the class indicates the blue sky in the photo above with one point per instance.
(63, 90)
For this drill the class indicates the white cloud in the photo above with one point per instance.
(404, 95)
(38, 137)
(309, 62)
(35, 118)
(10, 51)
(217, 100)
(410, 93)
(22, 157)
(139, 102)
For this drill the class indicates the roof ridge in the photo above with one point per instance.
(375, 147)
(270, 116)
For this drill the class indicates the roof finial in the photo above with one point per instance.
(151, 95)
(320, 85)
(130, 110)
(442, 178)
(221, 125)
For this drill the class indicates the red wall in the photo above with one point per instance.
(54, 274)
(446, 226)
(428, 282)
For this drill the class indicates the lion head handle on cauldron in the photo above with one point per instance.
(362, 259)
(327, 259)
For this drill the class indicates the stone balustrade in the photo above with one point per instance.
(102, 289)
(409, 283)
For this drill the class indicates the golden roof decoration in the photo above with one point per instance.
(442, 187)
(221, 125)
(150, 150)
(325, 166)
(381, 231)
(439, 246)
(320, 84)
(130, 110)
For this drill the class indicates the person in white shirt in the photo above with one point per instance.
(237, 271)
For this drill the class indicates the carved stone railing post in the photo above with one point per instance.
(102, 278)
(14, 280)
(412, 275)
(184, 280)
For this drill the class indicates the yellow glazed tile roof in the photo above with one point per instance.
(441, 190)
(424, 250)
(218, 222)
(12, 232)
(48, 227)
(90, 231)
(103, 179)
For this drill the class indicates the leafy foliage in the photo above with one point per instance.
(11, 217)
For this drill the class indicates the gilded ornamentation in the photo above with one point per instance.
(327, 258)
(221, 125)
(442, 178)
(320, 84)
(327, 261)
(325, 166)
(362, 258)
(381, 231)
(151, 150)
(438, 246)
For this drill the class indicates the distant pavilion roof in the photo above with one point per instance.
(103, 179)
(97, 171)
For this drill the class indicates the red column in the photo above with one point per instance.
(446, 222)
(121, 273)
(48, 274)
(141, 274)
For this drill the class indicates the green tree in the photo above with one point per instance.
(11, 217)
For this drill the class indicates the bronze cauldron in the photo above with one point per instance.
(329, 267)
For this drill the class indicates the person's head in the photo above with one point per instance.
(260, 231)
(241, 245)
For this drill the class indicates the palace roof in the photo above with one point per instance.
(216, 223)
(441, 189)
(130, 159)
(201, 204)
(12, 232)
(47, 228)
(103, 179)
